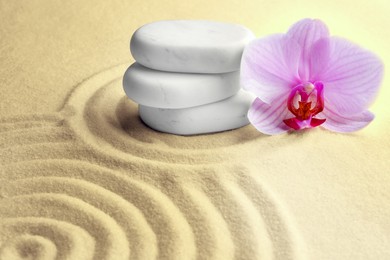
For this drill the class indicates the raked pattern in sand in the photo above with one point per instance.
(93, 182)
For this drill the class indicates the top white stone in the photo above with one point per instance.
(194, 46)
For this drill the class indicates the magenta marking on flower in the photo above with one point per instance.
(305, 110)
(307, 78)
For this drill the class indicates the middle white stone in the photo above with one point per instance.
(161, 89)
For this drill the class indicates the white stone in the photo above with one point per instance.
(194, 46)
(162, 89)
(224, 115)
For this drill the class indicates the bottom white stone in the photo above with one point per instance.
(220, 116)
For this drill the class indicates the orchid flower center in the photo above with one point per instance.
(305, 102)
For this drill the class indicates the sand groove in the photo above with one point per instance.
(175, 236)
(279, 226)
(31, 119)
(106, 120)
(131, 220)
(28, 245)
(110, 240)
(92, 182)
(71, 242)
(35, 135)
(4, 127)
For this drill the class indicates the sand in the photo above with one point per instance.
(81, 177)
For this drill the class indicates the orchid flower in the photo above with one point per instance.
(306, 78)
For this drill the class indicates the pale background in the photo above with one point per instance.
(340, 198)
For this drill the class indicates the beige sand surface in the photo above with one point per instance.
(82, 178)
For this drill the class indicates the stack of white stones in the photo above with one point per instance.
(186, 76)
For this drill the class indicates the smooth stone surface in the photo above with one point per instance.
(161, 89)
(224, 115)
(194, 46)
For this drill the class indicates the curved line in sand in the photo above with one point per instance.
(267, 226)
(224, 216)
(111, 242)
(26, 125)
(28, 246)
(71, 242)
(32, 122)
(38, 151)
(31, 118)
(280, 225)
(100, 114)
(34, 136)
(175, 240)
(139, 234)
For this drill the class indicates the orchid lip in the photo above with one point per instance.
(303, 109)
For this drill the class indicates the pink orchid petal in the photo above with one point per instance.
(306, 32)
(268, 119)
(342, 124)
(319, 58)
(351, 78)
(269, 66)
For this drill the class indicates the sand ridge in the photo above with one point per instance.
(94, 169)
